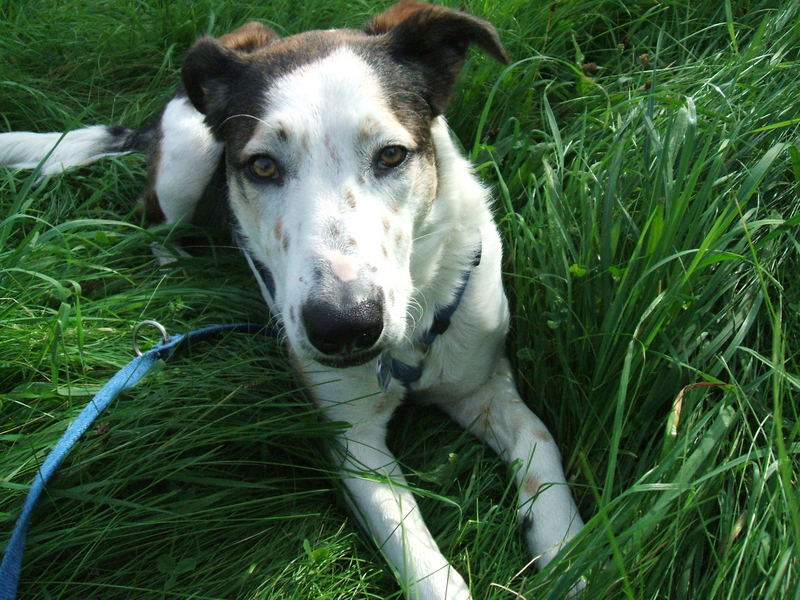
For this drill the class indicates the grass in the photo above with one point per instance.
(645, 161)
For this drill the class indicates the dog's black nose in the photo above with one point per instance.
(334, 329)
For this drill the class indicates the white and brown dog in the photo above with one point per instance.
(370, 239)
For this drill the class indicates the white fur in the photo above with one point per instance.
(187, 159)
(56, 152)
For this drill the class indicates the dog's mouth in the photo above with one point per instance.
(349, 360)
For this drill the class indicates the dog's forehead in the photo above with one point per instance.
(339, 95)
(312, 79)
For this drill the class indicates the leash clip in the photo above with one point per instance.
(164, 336)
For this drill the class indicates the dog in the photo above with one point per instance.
(370, 239)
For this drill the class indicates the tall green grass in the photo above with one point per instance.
(645, 160)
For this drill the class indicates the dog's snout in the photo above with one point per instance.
(334, 330)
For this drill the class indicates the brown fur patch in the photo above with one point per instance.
(277, 231)
(532, 485)
(480, 419)
(393, 16)
(249, 37)
(543, 435)
(369, 128)
(305, 143)
(350, 198)
(386, 225)
(333, 153)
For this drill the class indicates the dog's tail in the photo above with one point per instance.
(54, 153)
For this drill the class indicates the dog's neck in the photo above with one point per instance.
(450, 236)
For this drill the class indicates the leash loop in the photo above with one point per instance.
(165, 338)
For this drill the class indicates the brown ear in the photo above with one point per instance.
(249, 37)
(434, 40)
(209, 73)
(394, 15)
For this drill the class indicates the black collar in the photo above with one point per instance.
(389, 368)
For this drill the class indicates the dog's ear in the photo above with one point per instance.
(249, 37)
(394, 15)
(212, 67)
(209, 73)
(435, 39)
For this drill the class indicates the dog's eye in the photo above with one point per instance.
(392, 156)
(263, 168)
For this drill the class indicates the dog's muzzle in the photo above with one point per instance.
(345, 332)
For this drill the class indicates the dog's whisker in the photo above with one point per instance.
(242, 116)
(427, 234)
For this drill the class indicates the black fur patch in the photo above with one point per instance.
(130, 140)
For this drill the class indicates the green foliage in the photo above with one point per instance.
(646, 166)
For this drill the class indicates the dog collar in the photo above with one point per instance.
(388, 367)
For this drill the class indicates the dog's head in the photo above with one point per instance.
(330, 162)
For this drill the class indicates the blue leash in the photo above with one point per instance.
(126, 377)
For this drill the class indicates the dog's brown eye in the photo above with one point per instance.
(392, 156)
(263, 167)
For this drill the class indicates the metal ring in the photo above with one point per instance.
(164, 337)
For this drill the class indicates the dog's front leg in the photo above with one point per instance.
(379, 496)
(496, 414)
